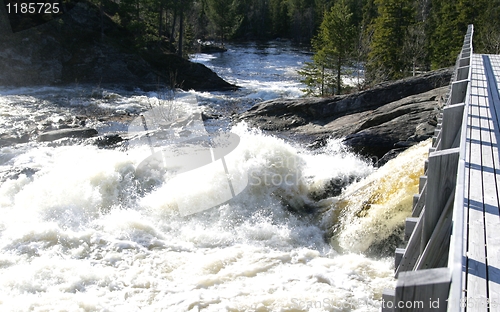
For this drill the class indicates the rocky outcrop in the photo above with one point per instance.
(71, 49)
(188, 75)
(53, 135)
(396, 114)
(398, 124)
(7, 139)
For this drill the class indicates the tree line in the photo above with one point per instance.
(393, 39)
(176, 24)
(388, 39)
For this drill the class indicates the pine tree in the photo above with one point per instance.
(485, 15)
(319, 77)
(487, 35)
(224, 16)
(279, 17)
(450, 19)
(447, 33)
(334, 46)
(386, 59)
(303, 19)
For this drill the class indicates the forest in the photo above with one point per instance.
(389, 39)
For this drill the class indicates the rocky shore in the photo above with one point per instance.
(384, 120)
(392, 115)
(73, 48)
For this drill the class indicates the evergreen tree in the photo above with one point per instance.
(319, 77)
(356, 8)
(370, 12)
(303, 19)
(487, 37)
(224, 16)
(386, 59)
(334, 46)
(450, 19)
(279, 18)
(447, 33)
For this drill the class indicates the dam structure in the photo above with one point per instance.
(451, 261)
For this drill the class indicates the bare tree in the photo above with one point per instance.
(415, 46)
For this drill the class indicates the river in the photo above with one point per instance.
(81, 230)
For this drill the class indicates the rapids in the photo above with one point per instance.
(81, 232)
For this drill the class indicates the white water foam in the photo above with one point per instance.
(264, 71)
(81, 231)
(82, 234)
(375, 208)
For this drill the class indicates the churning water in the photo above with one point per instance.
(81, 230)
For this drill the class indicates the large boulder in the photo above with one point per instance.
(372, 122)
(72, 49)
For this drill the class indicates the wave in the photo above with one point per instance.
(369, 216)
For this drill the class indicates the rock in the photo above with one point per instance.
(188, 75)
(208, 116)
(109, 140)
(389, 155)
(10, 139)
(371, 121)
(394, 124)
(70, 49)
(53, 135)
(210, 47)
(425, 130)
(15, 173)
(333, 188)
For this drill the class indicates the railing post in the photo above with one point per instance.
(452, 119)
(441, 179)
(424, 290)
(458, 91)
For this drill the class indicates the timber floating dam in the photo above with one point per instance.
(452, 257)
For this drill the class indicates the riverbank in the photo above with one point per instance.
(391, 115)
(385, 119)
(76, 48)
